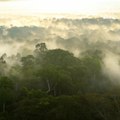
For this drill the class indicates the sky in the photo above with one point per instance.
(59, 6)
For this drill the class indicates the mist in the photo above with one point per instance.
(76, 34)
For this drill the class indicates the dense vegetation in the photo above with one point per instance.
(55, 85)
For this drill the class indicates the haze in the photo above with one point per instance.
(61, 6)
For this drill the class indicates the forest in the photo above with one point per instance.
(59, 59)
(54, 84)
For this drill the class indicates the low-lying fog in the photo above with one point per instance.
(21, 34)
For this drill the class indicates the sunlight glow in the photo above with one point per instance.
(60, 6)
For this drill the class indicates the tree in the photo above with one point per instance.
(28, 64)
(40, 48)
(59, 58)
(6, 91)
(56, 81)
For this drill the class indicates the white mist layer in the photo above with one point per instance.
(75, 34)
(112, 66)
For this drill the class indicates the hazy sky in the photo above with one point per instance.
(59, 6)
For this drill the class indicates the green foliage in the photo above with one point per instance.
(6, 91)
(59, 58)
(55, 85)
